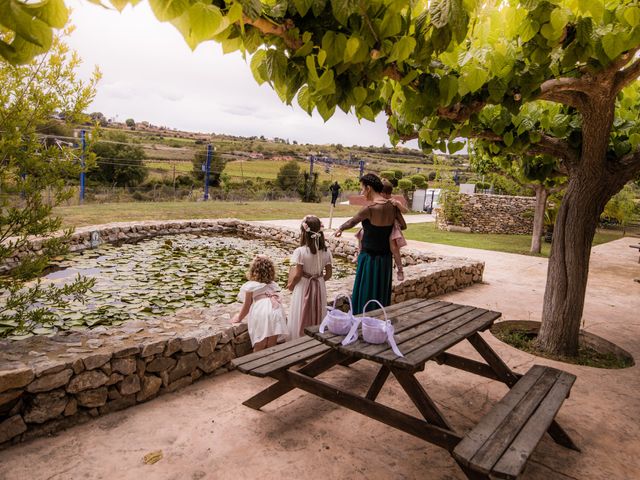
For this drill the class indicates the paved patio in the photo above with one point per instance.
(205, 432)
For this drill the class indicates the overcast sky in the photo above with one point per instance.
(149, 73)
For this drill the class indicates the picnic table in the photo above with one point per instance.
(497, 447)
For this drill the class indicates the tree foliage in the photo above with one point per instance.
(31, 165)
(118, 162)
(289, 176)
(534, 77)
(216, 167)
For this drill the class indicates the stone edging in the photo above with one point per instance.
(51, 383)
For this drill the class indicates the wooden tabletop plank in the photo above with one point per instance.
(362, 349)
(398, 312)
(477, 437)
(278, 355)
(397, 309)
(511, 463)
(428, 323)
(451, 338)
(489, 454)
(290, 360)
(283, 346)
(444, 332)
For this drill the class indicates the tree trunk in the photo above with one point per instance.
(590, 186)
(538, 217)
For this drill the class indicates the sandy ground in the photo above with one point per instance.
(204, 431)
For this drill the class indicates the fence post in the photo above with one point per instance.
(206, 172)
(84, 147)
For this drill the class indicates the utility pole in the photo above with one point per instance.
(84, 147)
(174, 181)
(206, 171)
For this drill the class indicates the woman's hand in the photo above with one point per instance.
(235, 318)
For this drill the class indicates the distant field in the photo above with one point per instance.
(94, 214)
(268, 170)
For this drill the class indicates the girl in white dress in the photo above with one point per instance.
(261, 304)
(311, 267)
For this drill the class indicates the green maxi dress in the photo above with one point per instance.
(375, 263)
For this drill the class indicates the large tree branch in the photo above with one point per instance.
(629, 166)
(626, 76)
(547, 145)
(278, 30)
(461, 111)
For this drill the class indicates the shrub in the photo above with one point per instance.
(452, 208)
(419, 181)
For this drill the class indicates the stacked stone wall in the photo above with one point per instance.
(491, 214)
(48, 383)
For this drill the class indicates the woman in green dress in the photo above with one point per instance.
(375, 265)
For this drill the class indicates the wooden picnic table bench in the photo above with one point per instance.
(498, 447)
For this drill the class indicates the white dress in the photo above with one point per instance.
(264, 319)
(312, 265)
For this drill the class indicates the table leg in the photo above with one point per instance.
(501, 369)
(419, 397)
(282, 386)
(437, 435)
(378, 383)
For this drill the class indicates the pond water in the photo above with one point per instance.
(158, 276)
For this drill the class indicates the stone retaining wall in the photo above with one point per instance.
(51, 383)
(492, 214)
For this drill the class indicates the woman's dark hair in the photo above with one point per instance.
(373, 181)
(307, 237)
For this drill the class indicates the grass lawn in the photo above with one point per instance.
(94, 214)
(427, 232)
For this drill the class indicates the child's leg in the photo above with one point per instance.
(395, 251)
(261, 345)
(272, 341)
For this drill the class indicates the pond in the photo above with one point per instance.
(159, 276)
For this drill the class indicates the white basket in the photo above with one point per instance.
(337, 321)
(373, 329)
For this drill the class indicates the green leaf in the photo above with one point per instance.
(632, 15)
(251, 8)
(448, 87)
(391, 24)
(454, 147)
(559, 18)
(365, 112)
(235, 13)
(303, 6)
(231, 44)
(634, 139)
(507, 138)
(168, 9)
(325, 112)
(402, 49)
(440, 11)
(305, 101)
(360, 95)
(54, 12)
(353, 44)
(614, 44)
(529, 30)
(473, 77)
(325, 84)
(343, 9)
(205, 21)
(318, 7)
(257, 66)
(311, 68)
(322, 56)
